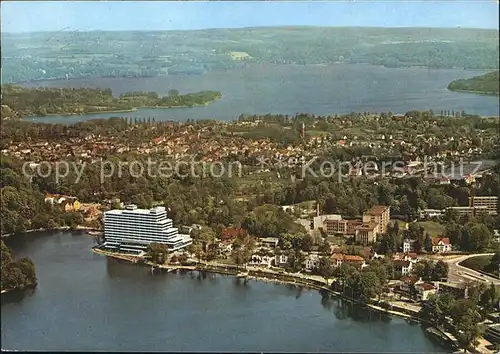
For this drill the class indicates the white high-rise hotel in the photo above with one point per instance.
(133, 229)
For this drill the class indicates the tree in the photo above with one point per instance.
(325, 248)
(466, 317)
(325, 268)
(479, 236)
(197, 250)
(157, 252)
(307, 243)
(173, 93)
(369, 286)
(440, 271)
(28, 269)
(428, 242)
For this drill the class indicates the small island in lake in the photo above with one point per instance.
(487, 84)
(16, 275)
(18, 101)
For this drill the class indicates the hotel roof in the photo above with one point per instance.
(132, 209)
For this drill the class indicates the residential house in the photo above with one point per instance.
(441, 244)
(262, 260)
(311, 261)
(68, 203)
(424, 290)
(225, 247)
(72, 205)
(407, 283)
(230, 233)
(408, 245)
(496, 235)
(403, 267)
(338, 259)
(407, 257)
(271, 242)
(281, 260)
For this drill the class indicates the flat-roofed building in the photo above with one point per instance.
(487, 203)
(380, 215)
(132, 230)
(343, 227)
(367, 233)
(318, 221)
(457, 290)
(469, 211)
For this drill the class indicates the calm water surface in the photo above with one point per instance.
(87, 302)
(288, 89)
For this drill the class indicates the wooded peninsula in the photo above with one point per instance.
(20, 102)
(484, 84)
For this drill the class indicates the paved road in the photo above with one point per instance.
(458, 273)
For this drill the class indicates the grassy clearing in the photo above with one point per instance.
(480, 263)
(432, 227)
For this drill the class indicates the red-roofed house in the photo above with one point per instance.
(231, 233)
(407, 282)
(338, 259)
(441, 244)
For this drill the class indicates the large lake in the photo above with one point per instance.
(288, 89)
(87, 302)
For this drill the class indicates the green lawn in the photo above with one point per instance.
(481, 263)
(432, 227)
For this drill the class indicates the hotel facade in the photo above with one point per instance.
(132, 230)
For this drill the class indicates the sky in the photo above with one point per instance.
(27, 16)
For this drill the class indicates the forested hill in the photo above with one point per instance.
(19, 101)
(66, 54)
(487, 84)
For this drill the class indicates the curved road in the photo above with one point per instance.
(458, 273)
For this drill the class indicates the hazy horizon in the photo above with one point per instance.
(23, 17)
(250, 28)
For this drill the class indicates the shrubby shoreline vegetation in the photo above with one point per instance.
(485, 84)
(19, 101)
(16, 275)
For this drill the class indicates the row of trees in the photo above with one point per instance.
(16, 274)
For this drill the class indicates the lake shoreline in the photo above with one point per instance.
(262, 275)
(59, 228)
(134, 109)
(423, 67)
(482, 93)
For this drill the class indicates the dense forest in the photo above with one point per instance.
(488, 84)
(19, 101)
(23, 205)
(16, 274)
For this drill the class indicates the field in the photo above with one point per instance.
(432, 227)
